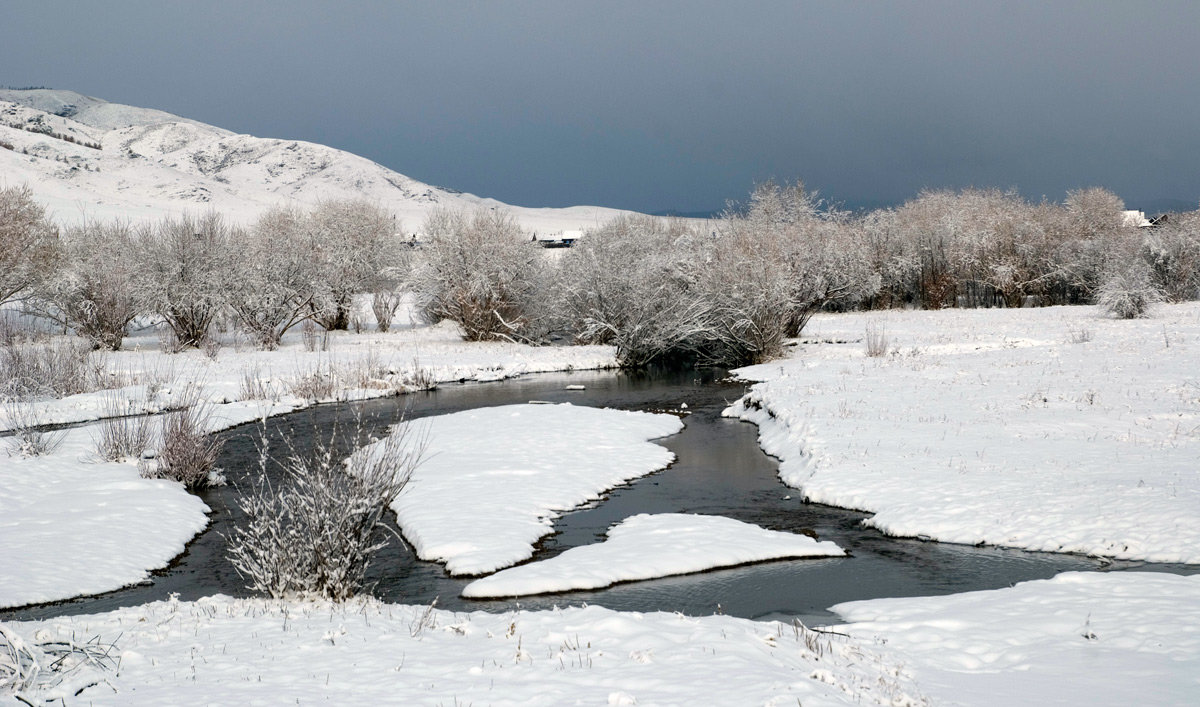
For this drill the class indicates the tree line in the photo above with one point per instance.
(724, 291)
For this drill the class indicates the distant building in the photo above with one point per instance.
(1135, 218)
(559, 239)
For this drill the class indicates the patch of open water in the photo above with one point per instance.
(719, 469)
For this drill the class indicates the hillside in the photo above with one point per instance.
(87, 158)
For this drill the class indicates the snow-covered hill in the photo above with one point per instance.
(86, 158)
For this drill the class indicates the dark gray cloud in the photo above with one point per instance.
(664, 105)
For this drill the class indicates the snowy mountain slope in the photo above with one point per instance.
(153, 163)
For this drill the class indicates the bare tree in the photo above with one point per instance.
(351, 243)
(28, 242)
(184, 264)
(271, 286)
(93, 289)
(483, 272)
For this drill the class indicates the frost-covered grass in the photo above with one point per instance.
(650, 546)
(1004, 427)
(232, 651)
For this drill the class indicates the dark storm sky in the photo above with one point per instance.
(664, 105)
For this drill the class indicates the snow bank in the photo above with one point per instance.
(493, 479)
(225, 651)
(649, 546)
(1077, 639)
(1050, 429)
(71, 526)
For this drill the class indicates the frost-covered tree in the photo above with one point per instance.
(183, 266)
(93, 290)
(1172, 251)
(1127, 290)
(272, 284)
(630, 284)
(28, 242)
(351, 243)
(483, 272)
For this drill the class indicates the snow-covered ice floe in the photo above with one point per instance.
(1078, 639)
(493, 479)
(250, 651)
(73, 525)
(648, 546)
(1054, 429)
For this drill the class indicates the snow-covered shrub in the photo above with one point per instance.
(55, 368)
(312, 533)
(628, 284)
(351, 243)
(183, 265)
(121, 434)
(50, 670)
(384, 304)
(28, 439)
(876, 339)
(320, 383)
(93, 289)
(1173, 253)
(483, 272)
(28, 242)
(187, 453)
(1128, 290)
(271, 287)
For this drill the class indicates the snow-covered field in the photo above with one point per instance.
(648, 546)
(1053, 429)
(493, 479)
(1048, 429)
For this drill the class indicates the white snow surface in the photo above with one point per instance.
(71, 525)
(155, 164)
(493, 479)
(647, 546)
(1055, 429)
(235, 651)
(1084, 638)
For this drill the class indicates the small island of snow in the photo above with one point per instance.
(649, 546)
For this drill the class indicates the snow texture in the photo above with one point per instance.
(155, 164)
(649, 546)
(1056, 429)
(235, 651)
(1078, 639)
(493, 479)
(72, 525)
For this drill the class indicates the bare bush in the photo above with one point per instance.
(315, 338)
(312, 534)
(255, 387)
(122, 434)
(55, 368)
(272, 286)
(483, 272)
(876, 339)
(320, 383)
(384, 304)
(1127, 291)
(187, 453)
(29, 439)
(28, 242)
(93, 291)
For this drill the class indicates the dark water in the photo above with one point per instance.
(719, 470)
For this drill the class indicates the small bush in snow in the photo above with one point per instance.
(312, 533)
(122, 435)
(384, 304)
(28, 440)
(1127, 291)
(48, 671)
(876, 339)
(186, 453)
